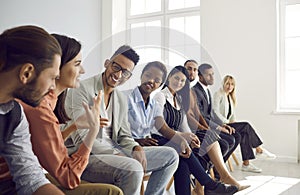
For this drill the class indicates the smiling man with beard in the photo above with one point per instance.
(115, 157)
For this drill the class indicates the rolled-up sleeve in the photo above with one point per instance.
(49, 147)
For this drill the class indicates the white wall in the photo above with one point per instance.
(75, 18)
(240, 36)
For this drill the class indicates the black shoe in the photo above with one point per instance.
(222, 189)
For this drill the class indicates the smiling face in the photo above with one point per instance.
(33, 92)
(114, 78)
(229, 85)
(70, 73)
(176, 81)
(151, 79)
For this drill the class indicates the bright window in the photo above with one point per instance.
(289, 56)
(175, 4)
(144, 6)
(166, 30)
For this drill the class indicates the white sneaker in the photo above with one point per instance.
(251, 168)
(266, 155)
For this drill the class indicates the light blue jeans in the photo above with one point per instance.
(127, 173)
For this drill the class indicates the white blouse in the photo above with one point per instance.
(165, 95)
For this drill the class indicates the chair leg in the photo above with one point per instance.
(230, 165)
(211, 173)
(145, 178)
(142, 188)
(235, 159)
(170, 184)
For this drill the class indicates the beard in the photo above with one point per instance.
(191, 79)
(108, 77)
(29, 94)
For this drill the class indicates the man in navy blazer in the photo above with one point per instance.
(230, 138)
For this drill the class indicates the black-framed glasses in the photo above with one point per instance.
(117, 67)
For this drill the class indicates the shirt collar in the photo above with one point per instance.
(167, 92)
(6, 107)
(204, 87)
(139, 98)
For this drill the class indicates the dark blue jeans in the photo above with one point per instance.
(186, 167)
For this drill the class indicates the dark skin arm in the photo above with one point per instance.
(170, 134)
(148, 141)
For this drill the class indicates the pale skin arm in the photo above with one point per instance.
(88, 120)
(148, 141)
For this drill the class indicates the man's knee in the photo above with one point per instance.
(133, 169)
(94, 189)
(171, 155)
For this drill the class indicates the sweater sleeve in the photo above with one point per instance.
(48, 145)
(218, 102)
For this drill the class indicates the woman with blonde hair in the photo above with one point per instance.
(224, 106)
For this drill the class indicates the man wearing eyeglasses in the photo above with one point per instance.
(115, 157)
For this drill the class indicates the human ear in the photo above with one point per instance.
(106, 63)
(26, 73)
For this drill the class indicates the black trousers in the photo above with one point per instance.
(249, 139)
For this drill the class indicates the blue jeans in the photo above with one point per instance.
(127, 173)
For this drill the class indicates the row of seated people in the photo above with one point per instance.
(102, 149)
(219, 113)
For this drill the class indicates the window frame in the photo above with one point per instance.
(164, 15)
(281, 108)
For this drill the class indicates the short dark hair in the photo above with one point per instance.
(202, 68)
(128, 52)
(191, 60)
(159, 65)
(27, 44)
(70, 49)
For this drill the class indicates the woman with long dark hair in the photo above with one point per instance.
(174, 98)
